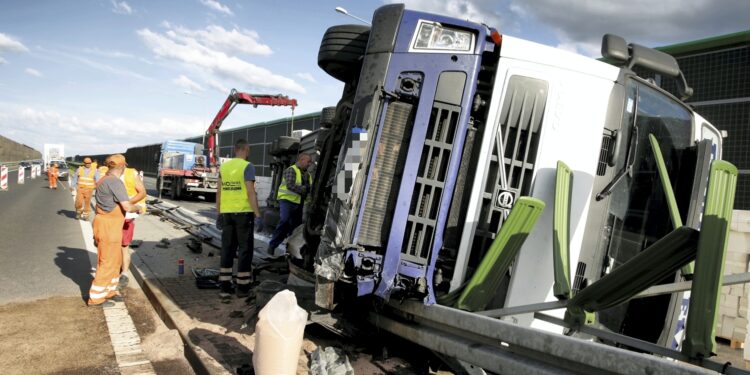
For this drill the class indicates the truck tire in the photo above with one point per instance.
(284, 145)
(326, 116)
(342, 49)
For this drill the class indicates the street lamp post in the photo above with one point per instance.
(346, 13)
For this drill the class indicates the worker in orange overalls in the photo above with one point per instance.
(112, 202)
(137, 193)
(52, 175)
(84, 181)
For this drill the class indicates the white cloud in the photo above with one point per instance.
(482, 11)
(307, 77)
(32, 72)
(216, 85)
(582, 23)
(95, 134)
(187, 83)
(221, 39)
(109, 53)
(98, 65)
(121, 7)
(217, 6)
(194, 52)
(10, 44)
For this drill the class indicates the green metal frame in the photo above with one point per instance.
(561, 231)
(650, 266)
(666, 184)
(709, 265)
(485, 282)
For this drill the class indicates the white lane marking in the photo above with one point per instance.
(122, 333)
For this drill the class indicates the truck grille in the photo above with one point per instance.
(428, 189)
(386, 174)
(601, 168)
(514, 154)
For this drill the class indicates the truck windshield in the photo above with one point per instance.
(638, 213)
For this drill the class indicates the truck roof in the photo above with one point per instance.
(520, 49)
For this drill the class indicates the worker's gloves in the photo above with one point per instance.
(220, 222)
(258, 223)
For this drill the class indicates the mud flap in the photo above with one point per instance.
(561, 231)
(709, 266)
(484, 283)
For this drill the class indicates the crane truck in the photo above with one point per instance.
(491, 196)
(184, 168)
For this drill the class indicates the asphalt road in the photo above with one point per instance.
(41, 245)
(45, 273)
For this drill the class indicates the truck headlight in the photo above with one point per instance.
(434, 36)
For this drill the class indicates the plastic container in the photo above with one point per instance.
(278, 335)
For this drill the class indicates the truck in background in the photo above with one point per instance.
(184, 171)
(52, 152)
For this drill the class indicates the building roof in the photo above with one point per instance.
(715, 42)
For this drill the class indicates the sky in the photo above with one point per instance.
(104, 75)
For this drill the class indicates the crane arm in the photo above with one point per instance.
(235, 97)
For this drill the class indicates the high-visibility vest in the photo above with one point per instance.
(129, 178)
(103, 170)
(86, 181)
(233, 189)
(289, 195)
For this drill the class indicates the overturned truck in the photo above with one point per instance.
(485, 176)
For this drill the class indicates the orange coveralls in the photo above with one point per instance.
(52, 176)
(108, 236)
(84, 191)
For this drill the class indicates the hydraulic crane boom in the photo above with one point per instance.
(236, 97)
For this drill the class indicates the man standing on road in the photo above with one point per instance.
(112, 202)
(237, 205)
(52, 175)
(84, 181)
(294, 188)
(137, 194)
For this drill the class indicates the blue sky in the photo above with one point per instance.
(104, 75)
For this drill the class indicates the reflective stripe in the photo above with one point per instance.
(243, 274)
(243, 281)
(97, 295)
(86, 181)
(225, 278)
(98, 288)
(225, 269)
(112, 288)
(116, 280)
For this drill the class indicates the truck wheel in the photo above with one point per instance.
(326, 116)
(342, 49)
(285, 145)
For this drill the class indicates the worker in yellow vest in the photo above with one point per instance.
(295, 187)
(137, 194)
(84, 182)
(237, 205)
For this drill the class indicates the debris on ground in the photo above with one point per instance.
(206, 278)
(330, 361)
(195, 245)
(163, 244)
(136, 243)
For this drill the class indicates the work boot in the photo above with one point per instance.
(124, 280)
(78, 216)
(226, 289)
(116, 298)
(107, 303)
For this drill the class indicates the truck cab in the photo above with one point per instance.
(444, 124)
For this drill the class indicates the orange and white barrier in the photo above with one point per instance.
(3, 178)
(20, 175)
(33, 172)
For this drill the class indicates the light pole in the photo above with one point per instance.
(346, 13)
